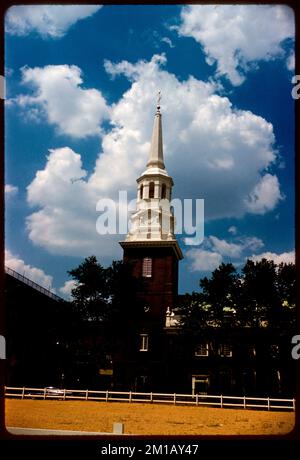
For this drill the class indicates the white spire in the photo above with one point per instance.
(153, 221)
(156, 157)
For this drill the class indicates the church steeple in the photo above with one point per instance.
(151, 247)
(153, 221)
(156, 157)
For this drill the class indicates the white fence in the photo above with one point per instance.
(244, 402)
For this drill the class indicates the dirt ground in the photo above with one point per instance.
(143, 419)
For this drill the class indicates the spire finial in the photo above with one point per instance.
(158, 100)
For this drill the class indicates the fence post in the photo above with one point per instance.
(174, 398)
(106, 396)
(64, 394)
(244, 402)
(130, 396)
(268, 403)
(151, 397)
(23, 392)
(294, 406)
(87, 395)
(44, 393)
(197, 399)
(221, 401)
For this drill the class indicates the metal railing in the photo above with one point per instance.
(222, 401)
(31, 283)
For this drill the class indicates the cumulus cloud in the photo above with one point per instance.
(49, 21)
(10, 190)
(236, 37)
(225, 248)
(232, 229)
(57, 96)
(290, 62)
(66, 289)
(235, 248)
(205, 138)
(35, 274)
(216, 250)
(264, 196)
(223, 151)
(66, 220)
(284, 257)
(203, 261)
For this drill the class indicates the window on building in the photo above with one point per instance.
(201, 349)
(141, 191)
(225, 350)
(144, 342)
(151, 190)
(163, 191)
(147, 267)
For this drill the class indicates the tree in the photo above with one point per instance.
(105, 294)
(286, 285)
(259, 301)
(90, 295)
(268, 294)
(262, 295)
(107, 310)
(220, 295)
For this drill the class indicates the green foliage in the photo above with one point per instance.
(90, 295)
(103, 294)
(261, 296)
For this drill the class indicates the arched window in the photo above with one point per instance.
(151, 190)
(141, 191)
(163, 191)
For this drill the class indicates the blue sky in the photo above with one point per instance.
(81, 85)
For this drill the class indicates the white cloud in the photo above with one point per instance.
(264, 196)
(35, 274)
(252, 243)
(223, 151)
(66, 289)
(50, 21)
(66, 220)
(285, 257)
(290, 62)
(234, 249)
(232, 229)
(206, 260)
(168, 41)
(236, 37)
(10, 190)
(216, 250)
(224, 248)
(202, 260)
(58, 97)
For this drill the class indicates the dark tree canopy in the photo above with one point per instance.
(262, 295)
(105, 294)
(90, 295)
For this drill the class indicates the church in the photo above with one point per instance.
(153, 254)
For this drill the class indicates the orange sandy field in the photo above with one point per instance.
(144, 419)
